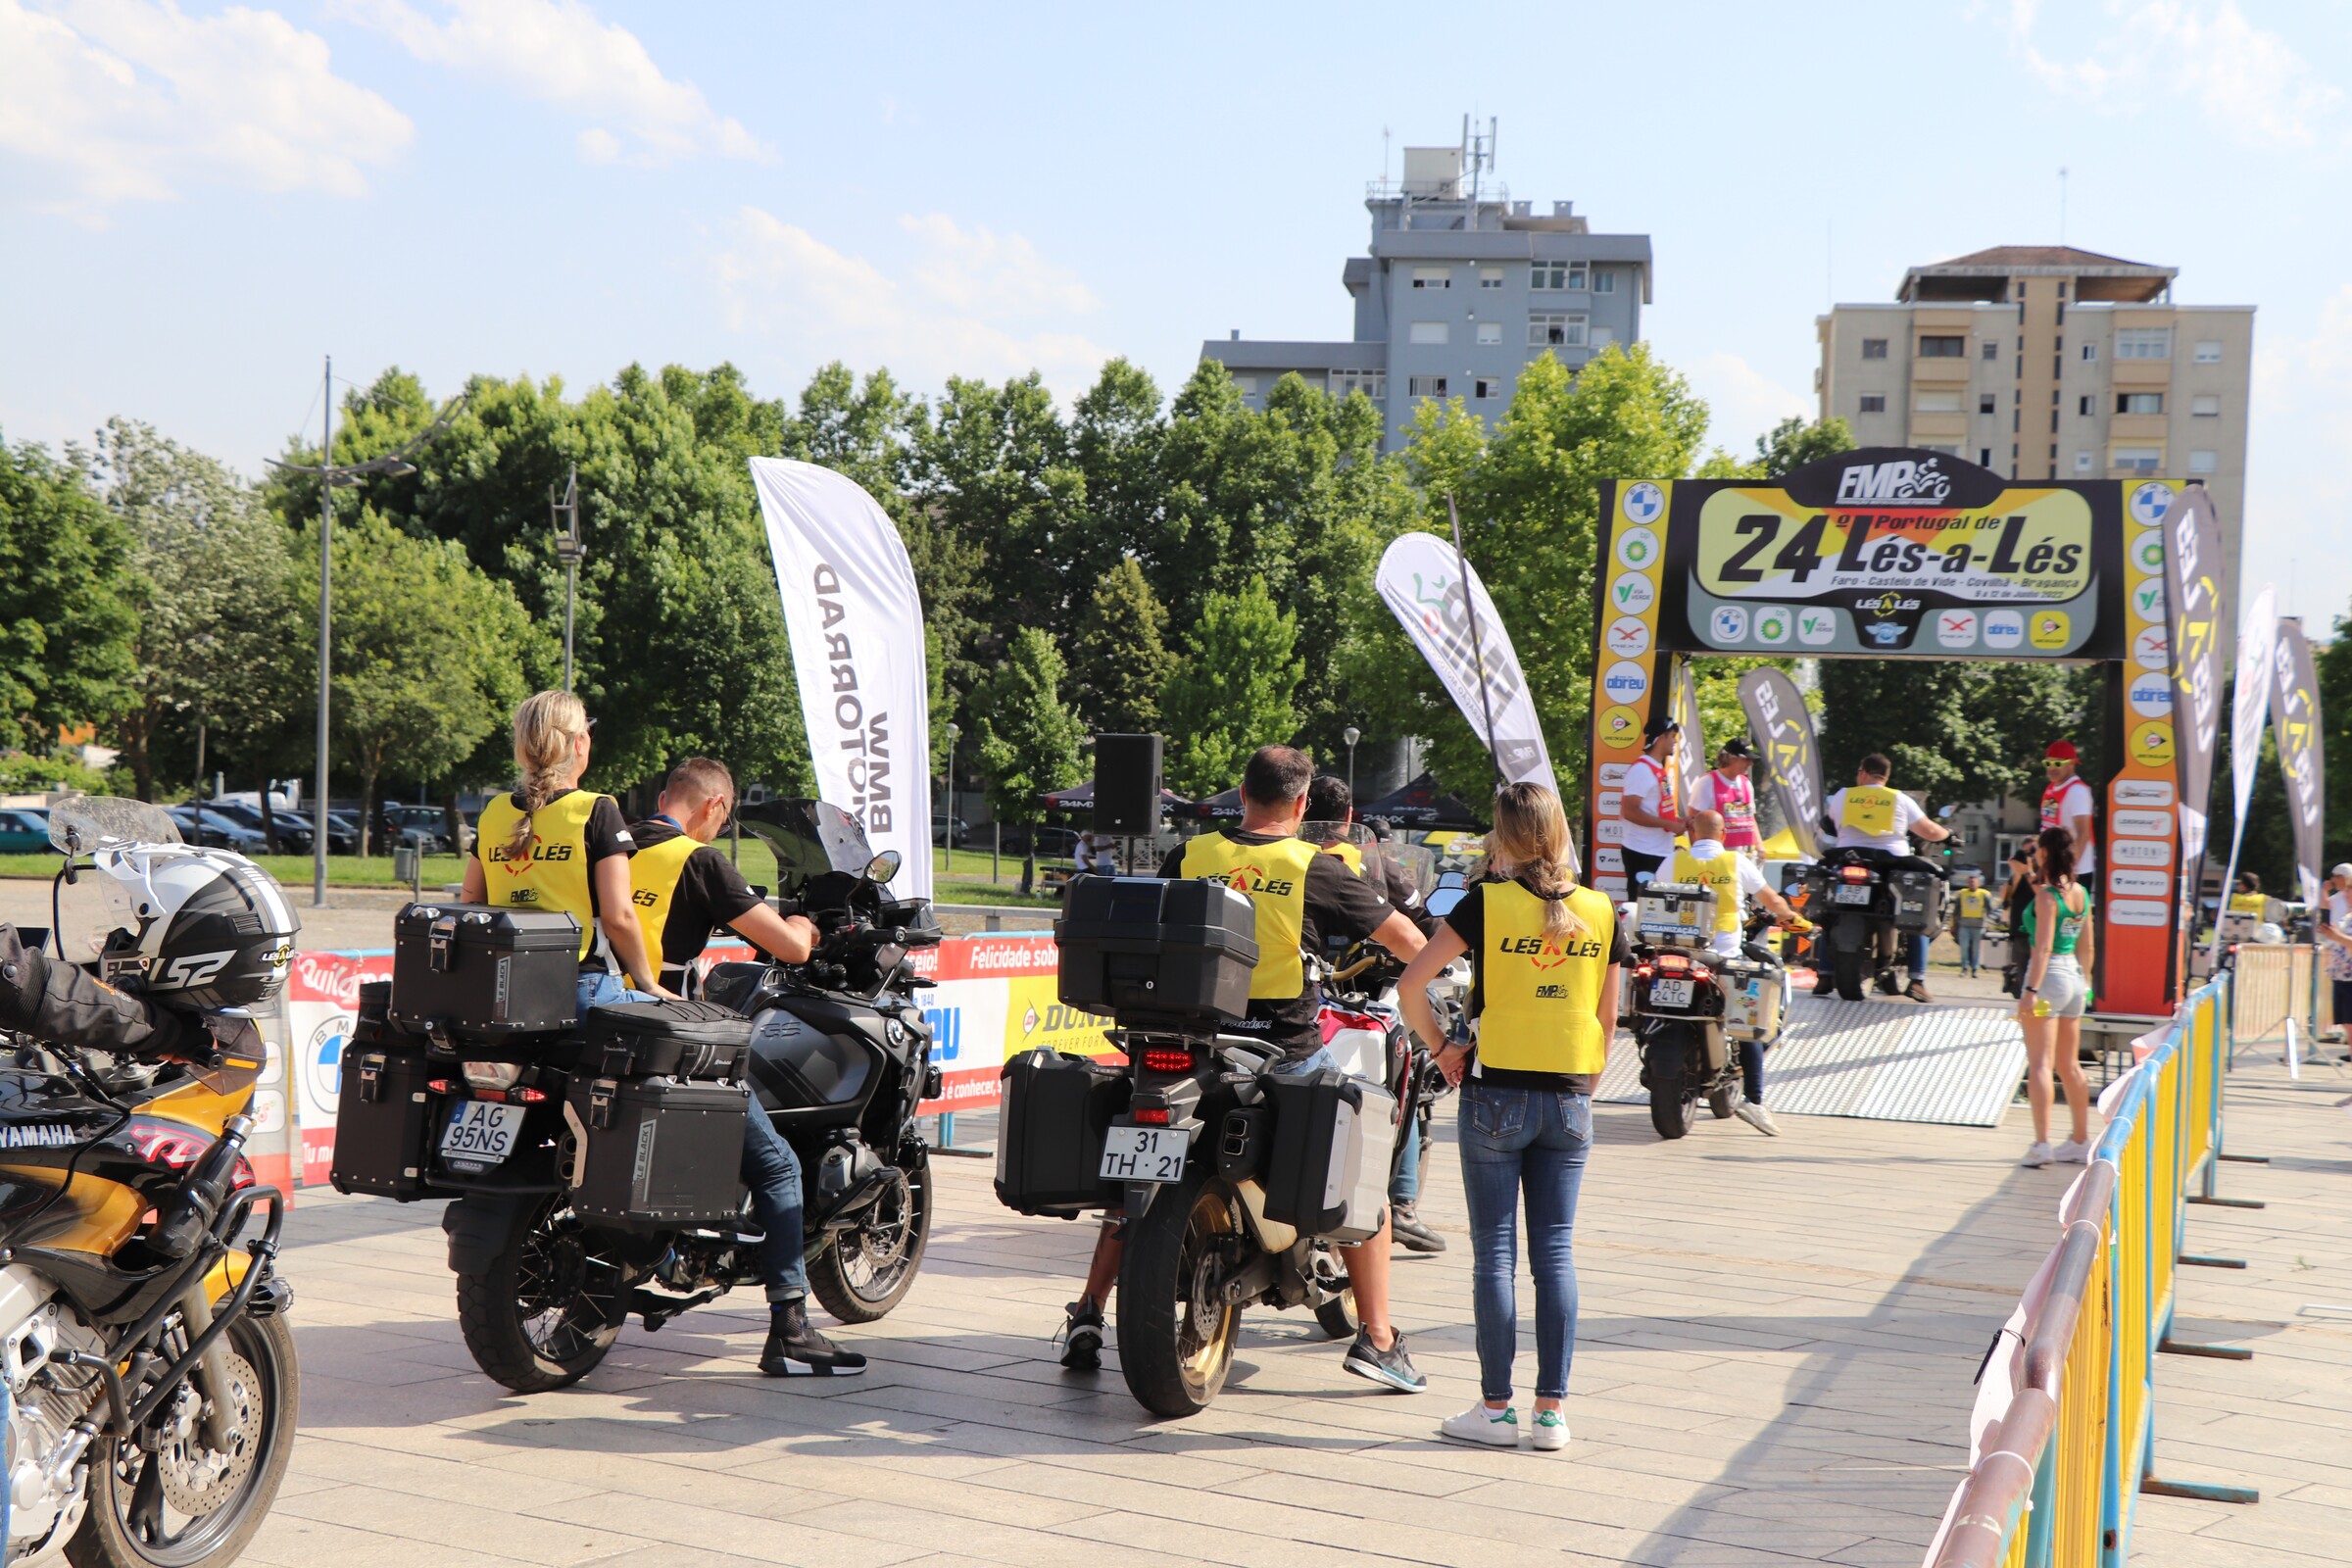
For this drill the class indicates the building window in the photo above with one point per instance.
(1943, 348)
(2139, 402)
(1553, 329)
(1482, 387)
(1489, 332)
(1428, 333)
(2205, 405)
(2201, 462)
(1425, 386)
(2090, 351)
(1992, 351)
(2082, 405)
(2140, 460)
(2143, 342)
(1984, 457)
(1373, 384)
(1988, 403)
(1433, 278)
(2081, 463)
(1604, 282)
(1873, 403)
(2209, 352)
(1246, 385)
(1552, 277)
(1873, 347)
(1936, 402)
(1490, 278)
(1601, 338)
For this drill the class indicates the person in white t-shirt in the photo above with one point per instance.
(2068, 803)
(2334, 936)
(1647, 801)
(1706, 843)
(1873, 815)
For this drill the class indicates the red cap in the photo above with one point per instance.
(2060, 752)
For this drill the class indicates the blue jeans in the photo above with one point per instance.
(1915, 955)
(601, 987)
(772, 1171)
(1971, 937)
(1541, 1137)
(1406, 1186)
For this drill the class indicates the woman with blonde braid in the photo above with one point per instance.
(551, 844)
(1545, 960)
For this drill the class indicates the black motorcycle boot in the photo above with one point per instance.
(796, 1349)
(1081, 1337)
(1885, 984)
(1410, 1232)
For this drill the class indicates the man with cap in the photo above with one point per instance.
(1646, 800)
(1730, 793)
(2068, 803)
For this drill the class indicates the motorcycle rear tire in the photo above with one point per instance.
(490, 1304)
(1175, 1351)
(1849, 968)
(862, 1300)
(1670, 1100)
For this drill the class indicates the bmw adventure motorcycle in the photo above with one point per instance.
(1691, 1005)
(148, 1383)
(1863, 901)
(840, 1057)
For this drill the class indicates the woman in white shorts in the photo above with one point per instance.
(2055, 996)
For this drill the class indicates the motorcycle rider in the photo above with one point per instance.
(1329, 806)
(1710, 863)
(1302, 896)
(687, 889)
(1646, 800)
(1870, 814)
(1729, 791)
(2067, 803)
(551, 844)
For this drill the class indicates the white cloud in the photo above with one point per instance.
(557, 52)
(2295, 535)
(970, 302)
(1743, 401)
(131, 100)
(2251, 84)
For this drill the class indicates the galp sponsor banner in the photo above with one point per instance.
(856, 628)
(1784, 732)
(2296, 726)
(1423, 583)
(2192, 576)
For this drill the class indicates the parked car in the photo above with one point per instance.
(939, 831)
(207, 827)
(25, 830)
(427, 826)
(342, 833)
(292, 838)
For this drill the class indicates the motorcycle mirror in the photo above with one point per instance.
(882, 867)
(1949, 807)
(1440, 903)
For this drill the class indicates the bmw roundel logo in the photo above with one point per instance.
(1644, 502)
(2150, 503)
(322, 1058)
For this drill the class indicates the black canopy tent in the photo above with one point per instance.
(1080, 797)
(1225, 807)
(1422, 805)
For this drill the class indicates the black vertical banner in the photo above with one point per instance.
(2193, 616)
(2295, 724)
(1784, 732)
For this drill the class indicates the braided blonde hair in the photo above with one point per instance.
(547, 726)
(1530, 843)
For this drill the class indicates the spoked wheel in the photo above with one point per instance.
(184, 1503)
(1176, 1329)
(1670, 1104)
(550, 1305)
(868, 1270)
(1338, 1316)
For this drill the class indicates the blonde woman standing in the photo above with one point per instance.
(551, 844)
(1545, 960)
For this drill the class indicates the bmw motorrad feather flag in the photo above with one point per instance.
(2193, 616)
(1782, 730)
(2296, 725)
(856, 628)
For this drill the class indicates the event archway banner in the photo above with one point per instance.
(1890, 553)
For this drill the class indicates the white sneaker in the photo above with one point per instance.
(1756, 1116)
(1497, 1428)
(2070, 1152)
(2037, 1156)
(1550, 1434)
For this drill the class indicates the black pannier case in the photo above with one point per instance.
(654, 1152)
(471, 970)
(665, 1040)
(385, 1118)
(1155, 952)
(1918, 899)
(1051, 1130)
(1328, 1165)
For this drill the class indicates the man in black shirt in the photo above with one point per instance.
(683, 890)
(1325, 900)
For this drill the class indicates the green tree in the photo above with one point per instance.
(1961, 729)
(65, 623)
(1028, 736)
(428, 656)
(1233, 692)
(1121, 660)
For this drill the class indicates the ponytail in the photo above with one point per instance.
(2057, 855)
(546, 728)
(1530, 845)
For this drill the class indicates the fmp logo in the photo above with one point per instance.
(1900, 483)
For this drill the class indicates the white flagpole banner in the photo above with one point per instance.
(2250, 700)
(856, 628)
(1422, 582)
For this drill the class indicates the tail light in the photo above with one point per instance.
(1151, 1116)
(177, 1148)
(1164, 1059)
(1643, 971)
(1855, 873)
(1673, 962)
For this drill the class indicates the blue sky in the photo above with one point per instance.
(198, 201)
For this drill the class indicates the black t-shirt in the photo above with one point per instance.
(1341, 905)
(711, 893)
(1468, 919)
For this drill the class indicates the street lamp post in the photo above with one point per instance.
(568, 550)
(948, 832)
(332, 475)
(1352, 735)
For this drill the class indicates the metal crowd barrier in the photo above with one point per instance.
(2275, 982)
(2065, 1424)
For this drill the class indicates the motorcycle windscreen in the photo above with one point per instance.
(810, 838)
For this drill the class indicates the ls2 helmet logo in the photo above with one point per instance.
(1887, 621)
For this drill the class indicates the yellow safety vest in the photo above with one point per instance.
(654, 874)
(1538, 994)
(2249, 902)
(553, 873)
(1722, 873)
(1974, 902)
(1274, 875)
(1870, 809)
(1347, 852)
